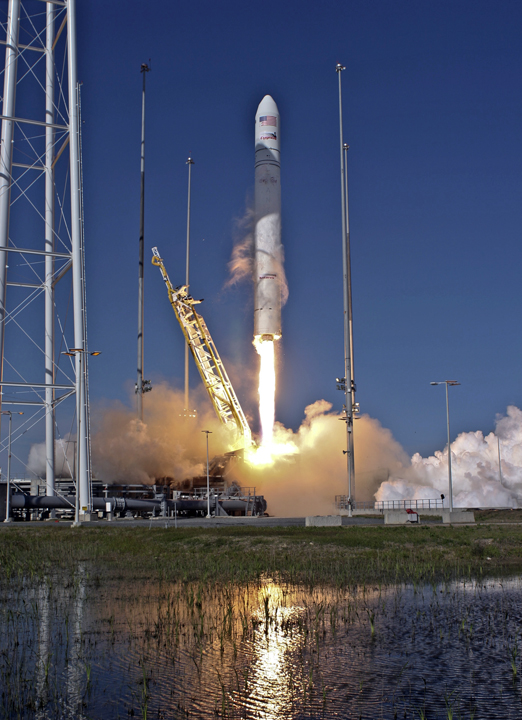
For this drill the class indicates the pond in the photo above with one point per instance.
(91, 647)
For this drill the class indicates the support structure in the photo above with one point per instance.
(6, 157)
(41, 199)
(49, 247)
(206, 356)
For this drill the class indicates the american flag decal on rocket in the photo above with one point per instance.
(268, 120)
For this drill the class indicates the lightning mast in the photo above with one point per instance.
(142, 385)
(347, 384)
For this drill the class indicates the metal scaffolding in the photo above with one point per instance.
(41, 226)
(206, 356)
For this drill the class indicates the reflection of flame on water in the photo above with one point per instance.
(270, 447)
(272, 677)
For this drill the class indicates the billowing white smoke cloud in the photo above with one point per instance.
(64, 459)
(307, 480)
(475, 469)
(241, 263)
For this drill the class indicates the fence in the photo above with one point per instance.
(341, 502)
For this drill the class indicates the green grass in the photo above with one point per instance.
(496, 516)
(338, 556)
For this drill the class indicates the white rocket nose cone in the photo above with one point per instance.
(267, 106)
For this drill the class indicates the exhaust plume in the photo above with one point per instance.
(478, 480)
(309, 468)
(241, 263)
(64, 454)
(312, 471)
(168, 444)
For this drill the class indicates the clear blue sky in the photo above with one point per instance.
(433, 116)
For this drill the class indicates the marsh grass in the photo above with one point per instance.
(334, 556)
(259, 622)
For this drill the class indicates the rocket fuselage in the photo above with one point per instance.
(267, 236)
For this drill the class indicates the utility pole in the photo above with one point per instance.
(8, 495)
(499, 462)
(448, 383)
(141, 385)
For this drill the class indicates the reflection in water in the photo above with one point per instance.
(44, 650)
(272, 666)
(75, 669)
(78, 648)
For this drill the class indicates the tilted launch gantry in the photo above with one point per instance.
(206, 356)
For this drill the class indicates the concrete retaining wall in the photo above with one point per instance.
(458, 516)
(399, 517)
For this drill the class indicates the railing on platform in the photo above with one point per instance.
(342, 502)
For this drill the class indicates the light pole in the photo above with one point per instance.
(78, 353)
(207, 433)
(499, 462)
(448, 383)
(8, 496)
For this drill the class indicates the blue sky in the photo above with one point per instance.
(433, 116)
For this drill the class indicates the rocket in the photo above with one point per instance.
(268, 251)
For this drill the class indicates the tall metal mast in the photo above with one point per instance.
(347, 385)
(140, 383)
(190, 163)
(40, 198)
(352, 387)
(77, 254)
(6, 157)
(49, 248)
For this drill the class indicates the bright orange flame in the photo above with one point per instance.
(267, 387)
(270, 446)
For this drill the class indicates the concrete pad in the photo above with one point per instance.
(88, 517)
(324, 521)
(458, 516)
(399, 517)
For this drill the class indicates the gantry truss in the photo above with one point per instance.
(206, 356)
(41, 230)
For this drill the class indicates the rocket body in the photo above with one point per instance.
(268, 263)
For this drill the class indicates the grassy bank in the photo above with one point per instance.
(338, 556)
(496, 516)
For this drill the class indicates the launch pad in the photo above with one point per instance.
(140, 501)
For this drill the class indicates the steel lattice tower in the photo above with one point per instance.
(41, 226)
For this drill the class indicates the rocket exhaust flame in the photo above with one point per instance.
(267, 386)
(273, 444)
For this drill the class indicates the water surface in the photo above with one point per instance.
(107, 648)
